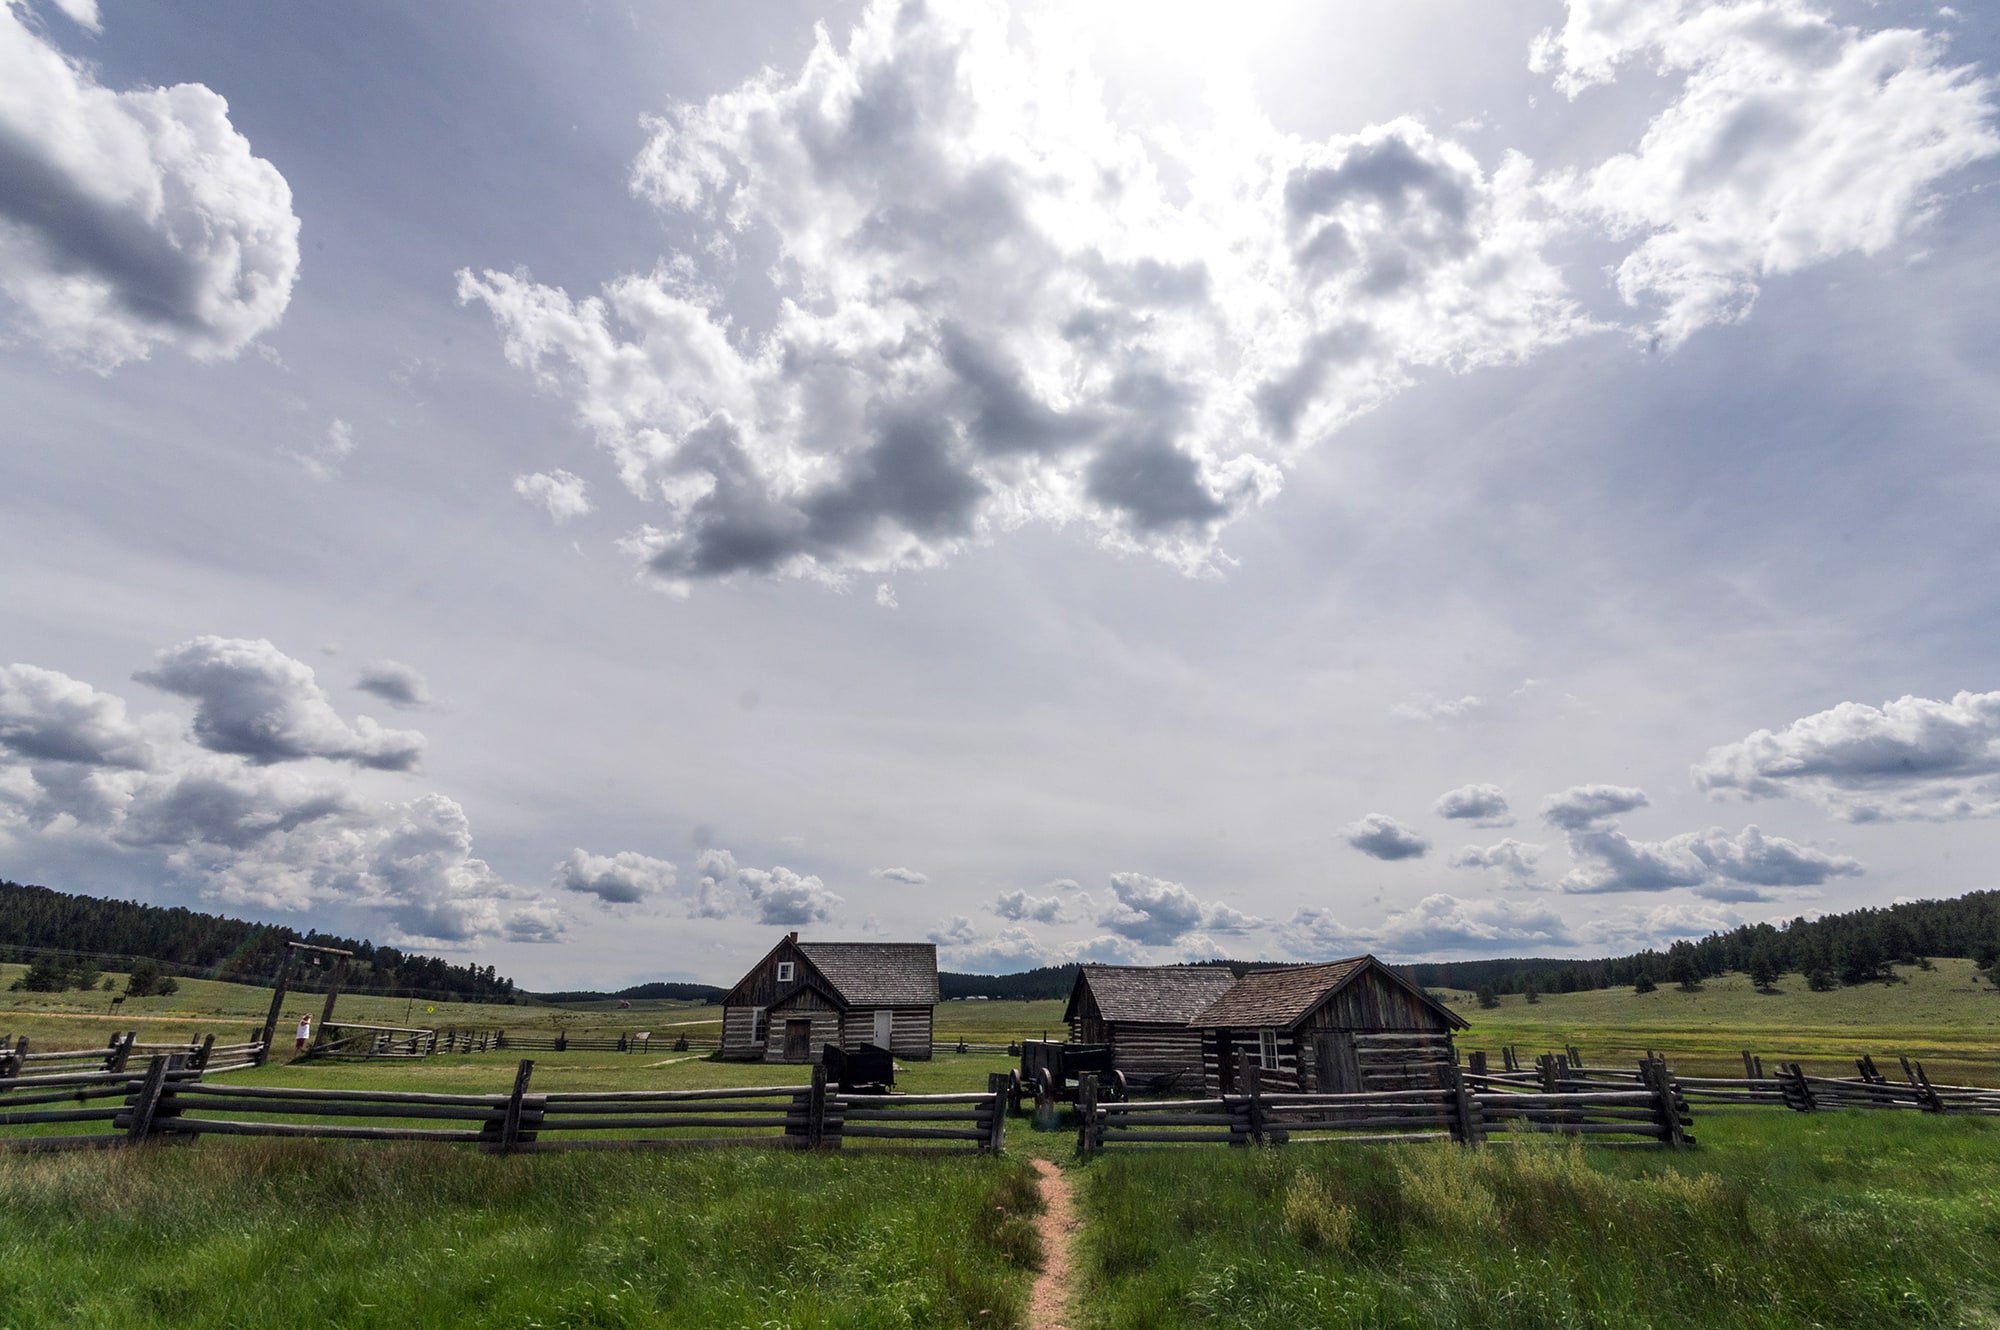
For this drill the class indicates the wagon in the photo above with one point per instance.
(865, 1070)
(1050, 1072)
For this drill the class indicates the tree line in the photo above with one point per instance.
(60, 930)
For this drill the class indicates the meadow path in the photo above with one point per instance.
(1049, 1306)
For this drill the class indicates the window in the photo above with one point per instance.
(760, 1025)
(785, 971)
(1267, 1049)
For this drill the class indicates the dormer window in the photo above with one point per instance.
(786, 970)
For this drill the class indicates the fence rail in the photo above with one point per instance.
(202, 1054)
(169, 1100)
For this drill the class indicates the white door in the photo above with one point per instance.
(885, 1025)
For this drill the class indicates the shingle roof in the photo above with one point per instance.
(1279, 997)
(1159, 993)
(887, 974)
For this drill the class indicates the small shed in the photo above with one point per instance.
(1142, 1012)
(804, 995)
(1339, 1028)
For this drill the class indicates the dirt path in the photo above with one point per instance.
(1049, 1307)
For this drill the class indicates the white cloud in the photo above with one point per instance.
(885, 596)
(1514, 859)
(269, 832)
(131, 220)
(1482, 805)
(1437, 709)
(1020, 905)
(561, 492)
(625, 878)
(1314, 933)
(784, 897)
(1659, 926)
(395, 683)
(715, 887)
(1793, 140)
(1443, 922)
(1714, 863)
(1581, 806)
(1156, 913)
(322, 460)
(1911, 758)
(997, 305)
(907, 876)
(255, 701)
(1380, 836)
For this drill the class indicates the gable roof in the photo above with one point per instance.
(877, 974)
(1165, 994)
(1283, 997)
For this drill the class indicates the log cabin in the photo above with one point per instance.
(805, 995)
(1142, 1012)
(1338, 1028)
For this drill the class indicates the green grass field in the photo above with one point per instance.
(1776, 1220)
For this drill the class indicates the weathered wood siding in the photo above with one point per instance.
(807, 1004)
(910, 1035)
(1373, 1035)
(1218, 1057)
(760, 988)
(1143, 1049)
(737, 1045)
(1371, 1003)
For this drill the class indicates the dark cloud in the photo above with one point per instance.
(256, 702)
(394, 683)
(1482, 805)
(47, 716)
(1380, 836)
(1158, 913)
(1582, 806)
(1715, 864)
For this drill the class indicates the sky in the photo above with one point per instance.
(590, 490)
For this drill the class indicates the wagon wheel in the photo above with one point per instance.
(1120, 1091)
(1014, 1090)
(1045, 1086)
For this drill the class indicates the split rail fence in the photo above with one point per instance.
(170, 1101)
(204, 1054)
(1653, 1112)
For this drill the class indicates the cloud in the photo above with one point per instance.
(1444, 922)
(1482, 805)
(625, 878)
(1510, 857)
(75, 771)
(561, 492)
(1660, 925)
(1581, 806)
(1380, 836)
(1436, 709)
(1313, 933)
(48, 716)
(1793, 140)
(1713, 862)
(395, 683)
(1914, 758)
(908, 876)
(322, 460)
(714, 885)
(1156, 913)
(885, 596)
(1020, 905)
(255, 701)
(1010, 950)
(784, 897)
(131, 220)
(956, 931)
(996, 304)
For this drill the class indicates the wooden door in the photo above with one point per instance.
(798, 1041)
(885, 1028)
(1339, 1063)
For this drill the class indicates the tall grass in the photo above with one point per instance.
(1777, 1221)
(275, 1234)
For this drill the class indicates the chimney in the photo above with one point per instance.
(791, 937)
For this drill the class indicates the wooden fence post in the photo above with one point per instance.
(816, 1109)
(1087, 1136)
(1666, 1102)
(996, 1086)
(200, 1062)
(510, 1125)
(1798, 1094)
(1932, 1101)
(147, 1102)
(1468, 1124)
(1749, 1066)
(1476, 1061)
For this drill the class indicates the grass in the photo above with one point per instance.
(1776, 1221)
(303, 1233)
(1947, 1017)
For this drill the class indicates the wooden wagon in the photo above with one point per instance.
(1051, 1071)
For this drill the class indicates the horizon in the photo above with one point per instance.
(588, 492)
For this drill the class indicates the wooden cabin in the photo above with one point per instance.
(1337, 1028)
(805, 995)
(1142, 1012)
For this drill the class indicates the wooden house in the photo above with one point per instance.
(1142, 1012)
(1338, 1028)
(805, 995)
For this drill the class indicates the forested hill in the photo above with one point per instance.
(1849, 948)
(35, 921)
